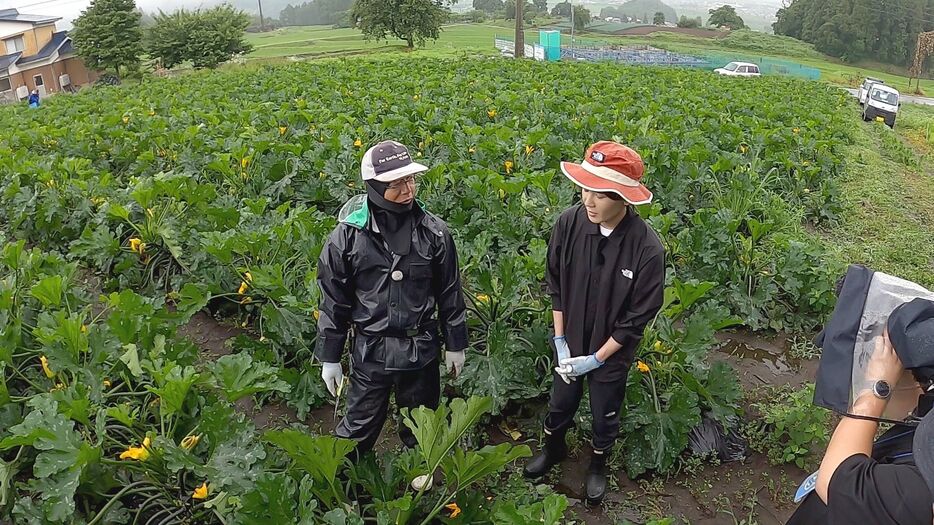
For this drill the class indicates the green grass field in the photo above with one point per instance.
(321, 41)
(888, 197)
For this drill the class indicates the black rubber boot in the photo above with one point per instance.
(595, 487)
(554, 452)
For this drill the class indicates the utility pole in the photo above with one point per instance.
(262, 25)
(572, 28)
(520, 34)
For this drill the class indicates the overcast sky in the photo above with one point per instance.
(70, 9)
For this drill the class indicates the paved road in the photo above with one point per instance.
(905, 98)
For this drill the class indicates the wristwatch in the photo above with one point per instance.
(881, 389)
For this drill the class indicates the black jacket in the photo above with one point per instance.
(389, 300)
(606, 287)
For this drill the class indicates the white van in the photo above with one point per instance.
(865, 87)
(882, 104)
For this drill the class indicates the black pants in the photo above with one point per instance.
(606, 402)
(368, 400)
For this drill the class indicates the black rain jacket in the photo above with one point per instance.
(389, 300)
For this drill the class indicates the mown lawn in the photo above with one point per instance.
(888, 193)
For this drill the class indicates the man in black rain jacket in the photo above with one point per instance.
(384, 272)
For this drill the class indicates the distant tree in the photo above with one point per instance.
(267, 24)
(789, 21)
(167, 39)
(470, 17)
(540, 6)
(581, 17)
(488, 6)
(725, 16)
(690, 23)
(207, 38)
(659, 19)
(107, 35)
(528, 15)
(858, 29)
(316, 12)
(145, 19)
(561, 9)
(411, 20)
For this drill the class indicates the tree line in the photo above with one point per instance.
(109, 36)
(858, 29)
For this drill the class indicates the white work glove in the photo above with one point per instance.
(455, 361)
(333, 376)
(578, 366)
(561, 346)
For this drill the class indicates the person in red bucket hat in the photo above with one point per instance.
(606, 277)
(611, 168)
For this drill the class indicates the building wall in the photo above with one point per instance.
(16, 80)
(72, 66)
(50, 74)
(32, 46)
(8, 29)
(43, 35)
(25, 78)
(79, 73)
(33, 39)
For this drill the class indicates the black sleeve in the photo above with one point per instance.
(555, 256)
(334, 280)
(452, 312)
(648, 294)
(865, 491)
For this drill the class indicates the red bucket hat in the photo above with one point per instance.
(611, 167)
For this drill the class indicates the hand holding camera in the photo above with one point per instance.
(882, 374)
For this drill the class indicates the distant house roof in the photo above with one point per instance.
(57, 41)
(13, 15)
(7, 60)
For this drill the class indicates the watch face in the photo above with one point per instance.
(882, 389)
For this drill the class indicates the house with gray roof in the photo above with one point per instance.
(33, 55)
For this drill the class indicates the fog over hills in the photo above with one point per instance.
(758, 14)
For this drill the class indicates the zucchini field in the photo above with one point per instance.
(126, 211)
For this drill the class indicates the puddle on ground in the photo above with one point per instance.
(777, 363)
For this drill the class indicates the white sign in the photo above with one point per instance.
(539, 52)
(508, 47)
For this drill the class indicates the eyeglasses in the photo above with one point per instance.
(399, 184)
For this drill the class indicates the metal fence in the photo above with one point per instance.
(767, 65)
(638, 55)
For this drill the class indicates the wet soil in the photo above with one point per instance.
(210, 334)
(729, 493)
